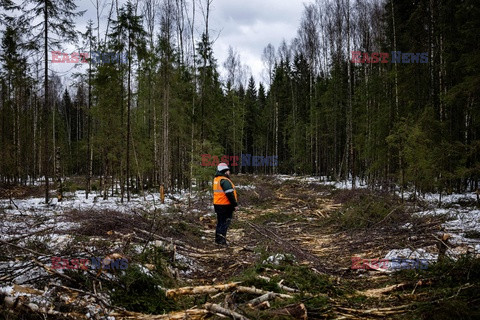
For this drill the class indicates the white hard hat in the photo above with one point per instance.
(222, 166)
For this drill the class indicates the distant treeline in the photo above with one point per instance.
(334, 102)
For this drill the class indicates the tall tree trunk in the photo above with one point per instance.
(89, 125)
(166, 151)
(127, 178)
(17, 137)
(34, 140)
(54, 144)
(194, 91)
(155, 137)
(400, 152)
(349, 163)
(45, 107)
(58, 175)
(276, 134)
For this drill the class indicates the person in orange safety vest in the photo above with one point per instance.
(224, 201)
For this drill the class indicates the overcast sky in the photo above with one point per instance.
(246, 25)
(250, 25)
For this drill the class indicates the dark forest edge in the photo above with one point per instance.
(411, 125)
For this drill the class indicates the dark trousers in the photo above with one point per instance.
(224, 218)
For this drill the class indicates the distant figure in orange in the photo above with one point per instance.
(224, 201)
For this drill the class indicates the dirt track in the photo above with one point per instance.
(291, 219)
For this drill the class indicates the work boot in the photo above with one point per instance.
(220, 239)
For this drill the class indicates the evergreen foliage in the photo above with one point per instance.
(139, 124)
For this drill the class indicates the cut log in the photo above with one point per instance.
(254, 290)
(215, 308)
(376, 311)
(200, 289)
(266, 297)
(280, 285)
(191, 314)
(170, 293)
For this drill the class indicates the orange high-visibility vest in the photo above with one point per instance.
(219, 195)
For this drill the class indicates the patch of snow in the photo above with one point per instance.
(23, 269)
(411, 254)
(398, 259)
(434, 212)
(346, 185)
(406, 226)
(7, 290)
(187, 262)
(245, 187)
(277, 259)
(95, 201)
(460, 221)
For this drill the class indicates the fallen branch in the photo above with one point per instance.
(384, 218)
(378, 292)
(254, 290)
(22, 303)
(377, 311)
(93, 295)
(285, 243)
(280, 285)
(10, 196)
(28, 235)
(266, 297)
(179, 243)
(21, 248)
(215, 308)
(170, 293)
(191, 314)
(52, 271)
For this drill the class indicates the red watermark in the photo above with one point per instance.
(75, 263)
(74, 57)
(107, 263)
(95, 57)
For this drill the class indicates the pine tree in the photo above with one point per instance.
(127, 33)
(57, 21)
(14, 66)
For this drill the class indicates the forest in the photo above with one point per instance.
(355, 154)
(324, 109)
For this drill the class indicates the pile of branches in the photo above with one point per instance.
(228, 308)
(30, 267)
